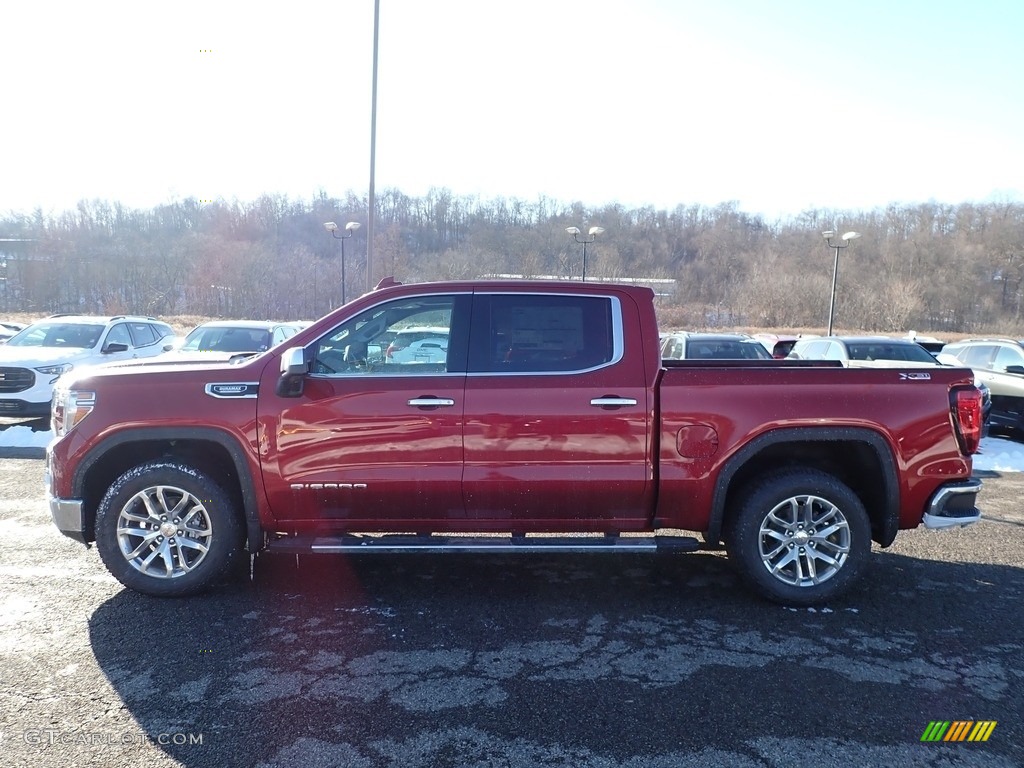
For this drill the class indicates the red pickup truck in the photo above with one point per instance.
(507, 417)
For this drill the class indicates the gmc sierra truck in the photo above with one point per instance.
(506, 416)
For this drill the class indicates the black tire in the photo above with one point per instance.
(165, 529)
(784, 530)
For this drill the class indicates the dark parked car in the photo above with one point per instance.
(712, 346)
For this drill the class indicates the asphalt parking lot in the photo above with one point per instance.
(608, 660)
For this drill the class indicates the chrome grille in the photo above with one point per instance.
(16, 379)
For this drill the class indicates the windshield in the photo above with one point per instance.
(56, 334)
(911, 353)
(726, 349)
(213, 338)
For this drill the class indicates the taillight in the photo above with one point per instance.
(967, 417)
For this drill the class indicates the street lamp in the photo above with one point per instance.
(593, 232)
(844, 241)
(350, 229)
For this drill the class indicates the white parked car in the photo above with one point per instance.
(32, 360)
(9, 329)
(418, 345)
(222, 339)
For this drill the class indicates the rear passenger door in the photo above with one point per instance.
(556, 414)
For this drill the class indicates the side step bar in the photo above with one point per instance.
(393, 544)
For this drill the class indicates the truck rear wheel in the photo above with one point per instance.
(799, 538)
(166, 529)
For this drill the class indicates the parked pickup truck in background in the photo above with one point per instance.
(551, 423)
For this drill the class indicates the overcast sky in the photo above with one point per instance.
(782, 106)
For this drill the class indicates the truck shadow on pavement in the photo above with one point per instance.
(562, 660)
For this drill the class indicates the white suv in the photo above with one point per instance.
(33, 360)
(418, 345)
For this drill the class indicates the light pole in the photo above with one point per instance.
(371, 214)
(593, 232)
(843, 242)
(350, 229)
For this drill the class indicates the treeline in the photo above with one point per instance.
(931, 267)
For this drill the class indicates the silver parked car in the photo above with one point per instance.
(685, 345)
(999, 363)
(884, 352)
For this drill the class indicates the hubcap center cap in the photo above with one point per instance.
(167, 530)
(801, 537)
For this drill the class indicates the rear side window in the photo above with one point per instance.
(672, 349)
(1007, 356)
(525, 333)
(976, 356)
(142, 334)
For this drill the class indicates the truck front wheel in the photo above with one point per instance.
(799, 538)
(166, 529)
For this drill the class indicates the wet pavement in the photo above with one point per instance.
(616, 661)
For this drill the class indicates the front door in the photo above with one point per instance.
(375, 439)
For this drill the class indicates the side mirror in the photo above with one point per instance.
(115, 346)
(1015, 369)
(293, 373)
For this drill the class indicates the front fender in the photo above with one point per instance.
(95, 471)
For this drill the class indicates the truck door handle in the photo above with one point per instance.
(609, 401)
(428, 401)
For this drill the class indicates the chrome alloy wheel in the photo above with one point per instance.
(804, 540)
(164, 532)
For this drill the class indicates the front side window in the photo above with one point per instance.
(524, 333)
(1007, 356)
(118, 335)
(404, 337)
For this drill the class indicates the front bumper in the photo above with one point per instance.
(67, 514)
(953, 505)
(12, 406)
(68, 517)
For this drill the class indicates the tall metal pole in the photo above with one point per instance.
(343, 270)
(373, 153)
(593, 232)
(832, 301)
(843, 242)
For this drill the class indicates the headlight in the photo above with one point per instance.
(69, 407)
(55, 370)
